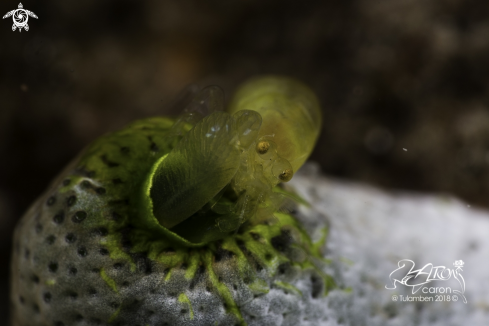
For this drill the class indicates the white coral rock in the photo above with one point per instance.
(372, 229)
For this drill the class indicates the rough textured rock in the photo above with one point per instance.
(371, 230)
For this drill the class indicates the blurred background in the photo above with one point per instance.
(403, 84)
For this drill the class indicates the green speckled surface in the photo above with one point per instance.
(92, 239)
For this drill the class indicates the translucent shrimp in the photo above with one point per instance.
(223, 171)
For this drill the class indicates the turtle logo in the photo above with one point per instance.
(20, 17)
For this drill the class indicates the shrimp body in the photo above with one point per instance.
(224, 169)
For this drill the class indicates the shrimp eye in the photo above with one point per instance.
(262, 147)
(286, 175)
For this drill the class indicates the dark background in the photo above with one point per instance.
(390, 74)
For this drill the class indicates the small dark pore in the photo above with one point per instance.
(125, 150)
(70, 238)
(126, 244)
(117, 265)
(103, 251)
(125, 239)
(117, 181)
(78, 318)
(100, 232)
(391, 311)
(50, 239)
(53, 267)
(154, 147)
(79, 216)
(317, 286)
(223, 254)
(240, 244)
(101, 191)
(200, 271)
(59, 218)
(72, 271)
(116, 216)
(143, 263)
(71, 200)
(258, 266)
(38, 228)
(109, 163)
(82, 251)
(72, 295)
(51, 200)
(282, 268)
(66, 182)
(35, 279)
(21, 299)
(86, 184)
(47, 297)
(282, 242)
(95, 321)
(255, 236)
